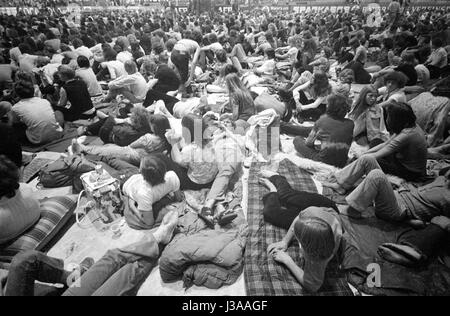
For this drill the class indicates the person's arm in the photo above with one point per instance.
(152, 83)
(299, 86)
(177, 155)
(62, 98)
(144, 215)
(442, 221)
(194, 65)
(312, 137)
(121, 82)
(314, 105)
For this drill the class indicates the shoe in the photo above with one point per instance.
(207, 216)
(226, 219)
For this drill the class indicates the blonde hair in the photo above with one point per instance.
(237, 90)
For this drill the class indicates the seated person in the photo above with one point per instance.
(165, 80)
(311, 97)
(33, 118)
(404, 154)
(370, 128)
(407, 67)
(268, 66)
(438, 59)
(394, 89)
(323, 62)
(145, 189)
(197, 159)
(19, 209)
(75, 102)
(219, 85)
(150, 143)
(240, 101)
(121, 132)
(334, 133)
(110, 67)
(120, 272)
(415, 205)
(86, 74)
(132, 85)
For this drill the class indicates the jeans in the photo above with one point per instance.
(126, 154)
(304, 150)
(230, 162)
(375, 188)
(294, 129)
(120, 272)
(181, 61)
(283, 207)
(31, 266)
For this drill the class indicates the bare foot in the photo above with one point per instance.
(164, 233)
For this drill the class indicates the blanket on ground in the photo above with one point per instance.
(263, 276)
(366, 235)
(204, 257)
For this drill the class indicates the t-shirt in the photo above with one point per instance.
(167, 79)
(148, 144)
(145, 195)
(37, 114)
(410, 150)
(18, 213)
(409, 72)
(200, 162)
(89, 78)
(336, 137)
(116, 68)
(135, 83)
(315, 270)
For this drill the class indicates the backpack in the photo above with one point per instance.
(65, 172)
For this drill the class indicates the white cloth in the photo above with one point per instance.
(145, 195)
(88, 76)
(135, 83)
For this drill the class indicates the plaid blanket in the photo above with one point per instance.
(263, 276)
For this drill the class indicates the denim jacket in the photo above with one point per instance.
(371, 124)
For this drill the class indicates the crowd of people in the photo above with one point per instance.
(159, 68)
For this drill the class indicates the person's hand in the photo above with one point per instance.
(441, 221)
(281, 257)
(278, 246)
(267, 174)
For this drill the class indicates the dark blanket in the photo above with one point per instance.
(365, 237)
(263, 276)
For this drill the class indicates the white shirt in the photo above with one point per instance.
(88, 76)
(124, 56)
(145, 195)
(116, 68)
(135, 83)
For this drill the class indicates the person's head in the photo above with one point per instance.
(148, 68)
(354, 43)
(395, 80)
(77, 43)
(309, 45)
(320, 83)
(399, 116)
(9, 178)
(388, 43)
(315, 236)
(159, 125)
(24, 89)
(221, 56)
(170, 44)
(337, 106)
(326, 52)
(109, 54)
(66, 73)
(366, 99)
(227, 69)
(140, 119)
(408, 58)
(25, 48)
(193, 129)
(130, 67)
(83, 62)
(153, 170)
